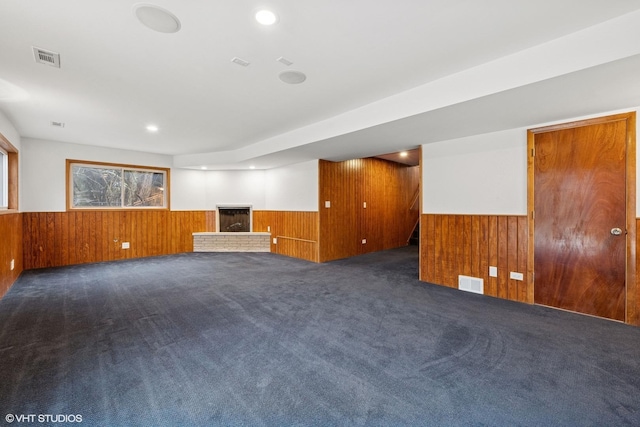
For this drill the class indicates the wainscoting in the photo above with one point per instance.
(54, 239)
(10, 249)
(452, 245)
(296, 232)
(369, 199)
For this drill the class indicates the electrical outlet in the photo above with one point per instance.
(516, 276)
(364, 205)
(13, 264)
(275, 240)
(269, 228)
(125, 245)
(493, 271)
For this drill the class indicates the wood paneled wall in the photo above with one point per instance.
(10, 249)
(296, 232)
(633, 290)
(54, 239)
(387, 188)
(452, 245)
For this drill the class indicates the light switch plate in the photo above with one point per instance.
(493, 271)
(327, 204)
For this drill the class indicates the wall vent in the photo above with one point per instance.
(46, 57)
(471, 284)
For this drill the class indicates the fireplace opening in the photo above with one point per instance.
(234, 219)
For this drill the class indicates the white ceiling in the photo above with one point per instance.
(381, 75)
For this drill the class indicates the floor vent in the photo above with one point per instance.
(471, 284)
(46, 57)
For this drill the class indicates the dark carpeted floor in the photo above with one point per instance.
(260, 339)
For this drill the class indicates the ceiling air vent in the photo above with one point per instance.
(284, 61)
(46, 57)
(240, 61)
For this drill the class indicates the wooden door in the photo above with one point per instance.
(580, 203)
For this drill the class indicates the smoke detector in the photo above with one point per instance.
(156, 18)
(46, 57)
(292, 77)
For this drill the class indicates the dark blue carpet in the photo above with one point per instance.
(263, 340)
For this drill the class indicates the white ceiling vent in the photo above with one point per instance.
(284, 61)
(46, 57)
(240, 61)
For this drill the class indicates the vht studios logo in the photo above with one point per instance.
(43, 418)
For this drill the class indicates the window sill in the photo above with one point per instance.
(8, 211)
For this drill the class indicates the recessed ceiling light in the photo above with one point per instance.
(252, 167)
(156, 18)
(204, 168)
(403, 154)
(266, 17)
(152, 128)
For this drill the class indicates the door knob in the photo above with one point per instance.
(616, 231)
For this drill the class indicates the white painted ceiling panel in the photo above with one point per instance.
(117, 76)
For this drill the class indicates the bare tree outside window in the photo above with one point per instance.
(143, 188)
(110, 186)
(97, 187)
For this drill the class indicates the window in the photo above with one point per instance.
(111, 186)
(4, 179)
(8, 175)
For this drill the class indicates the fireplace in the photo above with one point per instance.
(234, 219)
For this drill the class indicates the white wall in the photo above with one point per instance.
(44, 167)
(293, 187)
(9, 131)
(43, 182)
(483, 174)
(235, 187)
(188, 190)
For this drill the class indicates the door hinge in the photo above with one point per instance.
(533, 152)
(533, 214)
